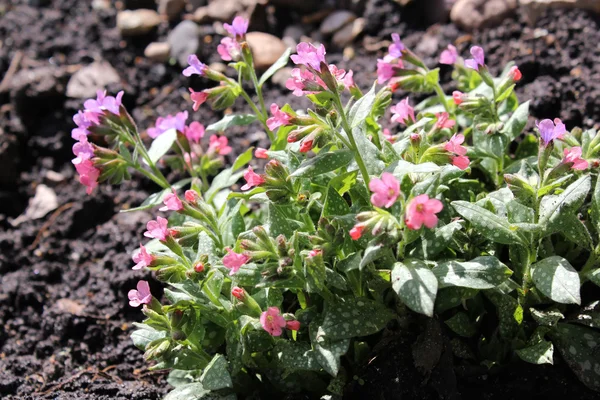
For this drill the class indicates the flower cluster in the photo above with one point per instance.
(276, 269)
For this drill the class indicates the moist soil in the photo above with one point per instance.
(65, 277)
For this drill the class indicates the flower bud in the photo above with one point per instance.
(293, 325)
(238, 293)
(199, 267)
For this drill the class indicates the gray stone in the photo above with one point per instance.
(294, 31)
(477, 14)
(85, 82)
(266, 48)
(101, 4)
(535, 8)
(137, 22)
(348, 33)
(170, 8)
(158, 51)
(224, 10)
(184, 40)
(280, 77)
(336, 21)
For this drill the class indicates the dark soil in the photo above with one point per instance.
(63, 304)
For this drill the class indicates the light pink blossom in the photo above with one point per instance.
(194, 132)
(83, 124)
(229, 49)
(172, 203)
(252, 179)
(140, 296)
(403, 113)
(197, 98)
(104, 102)
(238, 27)
(422, 210)
(478, 59)
(163, 124)
(303, 82)
(444, 121)
(218, 144)
(234, 261)
(449, 55)
(309, 55)
(573, 155)
(83, 150)
(195, 66)
(88, 175)
(142, 258)
(385, 190)
(386, 69)
(261, 153)
(454, 145)
(272, 321)
(395, 49)
(279, 118)
(461, 162)
(157, 229)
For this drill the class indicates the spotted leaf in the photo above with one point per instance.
(416, 286)
(556, 278)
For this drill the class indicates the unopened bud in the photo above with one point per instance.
(238, 293)
(293, 325)
(199, 267)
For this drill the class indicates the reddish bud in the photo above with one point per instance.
(458, 97)
(515, 74)
(191, 196)
(356, 232)
(293, 325)
(261, 153)
(306, 146)
(199, 267)
(238, 293)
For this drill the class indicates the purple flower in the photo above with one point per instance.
(302, 82)
(478, 59)
(238, 27)
(140, 296)
(168, 122)
(309, 55)
(551, 130)
(395, 49)
(449, 55)
(83, 150)
(83, 124)
(386, 68)
(229, 49)
(196, 67)
(194, 132)
(104, 102)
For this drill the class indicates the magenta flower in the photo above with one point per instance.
(272, 321)
(348, 79)
(478, 59)
(395, 49)
(454, 145)
(194, 132)
(233, 261)
(403, 113)
(421, 211)
(573, 155)
(386, 69)
(261, 153)
(142, 258)
(229, 49)
(449, 55)
(83, 124)
(385, 190)
(218, 144)
(88, 175)
(302, 82)
(83, 150)
(157, 229)
(162, 125)
(252, 179)
(197, 98)
(357, 231)
(104, 102)
(171, 202)
(196, 67)
(238, 27)
(444, 121)
(140, 296)
(309, 55)
(279, 118)
(551, 130)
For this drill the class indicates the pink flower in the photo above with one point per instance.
(238, 27)
(458, 97)
(386, 69)
(292, 325)
(234, 261)
(421, 211)
(454, 145)
(515, 74)
(449, 55)
(238, 293)
(83, 124)
(140, 296)
(194, 132)
(444, 121)
(551, 130)
(83, 150)
(385, 190)
(191, 196)
(197, 98)
(357, 231)
(388, 135)
(157, 229)
(309, 55)
(162, 125)
(573, 155)
(340, 75)
(104, 102)
(172, 202)
(252, 179)
(279, 118)
(261, 153)
(88, 175)
(403, 113)
(196, 67)
(348, 79)
(478, 59)
(395, 49)
(229, 49)
(315, 252)
(461, 162)
(219, 145)
(272, 321)
(303, 82)
(142, 258)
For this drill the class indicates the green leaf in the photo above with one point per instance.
(594, 276)
(557, 279)
(374, 252)
(546, 317)
(242, 159)
(552, 208)
(344, 182)
(280, 63)
(178, 377)
(294, 356)
(416, 286)
(322, 163)
(462, 325)
(484, 272)
(162, 144)
(278, 223)
(362, 108)
(540, 353)
(510, 313)
(223, 180)
(490, 225)
(576, 231)
(370, 154)
(451, 297)
(517, 121)
(348, 318)
(335, 204)
(596, 206)
(144, 335)
(157, 198)
(327, 351)
(191, 391)
(434, 241)
(216, 375)
(231, 120)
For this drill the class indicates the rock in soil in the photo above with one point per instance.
(535, 8)
(96, 76)
(184, 40)
(9, 159)
(170, 9)
(336, 21)
(44, 201)
(158, 51)
(137, 22)
(477, 14)
(224, 10)
(348, 33)
(266, 48)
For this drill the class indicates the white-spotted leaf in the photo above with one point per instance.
(484, 272)
(416, 286)
(556, 278)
